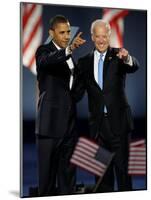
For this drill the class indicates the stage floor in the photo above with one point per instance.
(30, 173)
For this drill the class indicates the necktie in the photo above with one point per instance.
(100, 71)
(100, 76)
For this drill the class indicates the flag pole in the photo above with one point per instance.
(101, 177)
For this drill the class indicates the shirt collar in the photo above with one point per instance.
(56, 45)
(97, 53)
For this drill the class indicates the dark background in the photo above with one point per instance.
(135, 30)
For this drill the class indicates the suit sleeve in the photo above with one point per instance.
(45, 57)
(128, 68)
(79, 87)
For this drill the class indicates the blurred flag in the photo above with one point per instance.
(137, 158)
(32, 31)
(116, 19)
(91, 157)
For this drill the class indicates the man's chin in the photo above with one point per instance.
(102, 50)
(64, 46)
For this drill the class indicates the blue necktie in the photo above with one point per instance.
(100, 71)
(100, 75)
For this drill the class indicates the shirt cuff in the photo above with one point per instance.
(129, 61)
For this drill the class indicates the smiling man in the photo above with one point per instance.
(55, 124)
(102, 74)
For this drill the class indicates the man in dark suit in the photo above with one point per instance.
(55, 124)
(102, 75)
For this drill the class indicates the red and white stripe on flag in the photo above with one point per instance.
(116, 19)
(32, 33)
(137, 158)
(85, 156)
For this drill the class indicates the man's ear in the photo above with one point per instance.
(51, 33)
(92, 37)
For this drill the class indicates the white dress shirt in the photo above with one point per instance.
(69, 62)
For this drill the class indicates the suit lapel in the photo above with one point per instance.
(107, 60)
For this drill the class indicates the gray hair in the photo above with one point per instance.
(100, 22)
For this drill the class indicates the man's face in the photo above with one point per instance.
(61, 34)
(101, 38)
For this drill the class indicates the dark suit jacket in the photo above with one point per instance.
(55, 102)
(112, 95)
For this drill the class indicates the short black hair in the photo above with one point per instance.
(56, 20)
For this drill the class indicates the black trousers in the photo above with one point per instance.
(117, 142)
(55, 173)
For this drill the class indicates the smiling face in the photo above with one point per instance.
(101, 37)
(61, 34)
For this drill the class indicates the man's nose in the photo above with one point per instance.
(101, 39)
(67, 36)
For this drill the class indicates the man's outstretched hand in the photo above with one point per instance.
(77, 42)
(123, 54)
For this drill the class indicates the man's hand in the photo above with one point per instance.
(77, 42)
(123, 54)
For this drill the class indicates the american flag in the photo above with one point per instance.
(116, 19)
(137, 158)
(32, 31)
(91, 157)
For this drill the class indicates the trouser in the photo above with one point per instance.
(115, 142)
(56, 175)
(54, 168)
